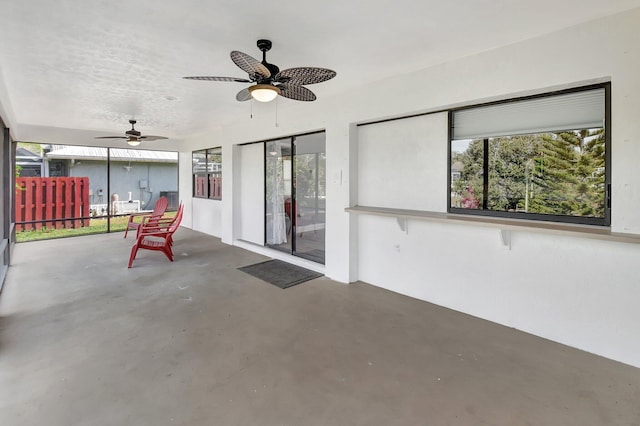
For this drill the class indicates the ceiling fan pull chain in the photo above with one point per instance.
(277, 124)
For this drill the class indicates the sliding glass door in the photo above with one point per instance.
(295, 195)
(308, 217)
(278, 197)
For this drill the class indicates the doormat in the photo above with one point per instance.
(279, 273)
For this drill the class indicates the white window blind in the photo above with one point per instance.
(572, 111)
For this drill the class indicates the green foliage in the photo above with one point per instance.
(308, 168)
(18, 170)
(509, 168)
(569, 174)
(470, 185)
(97, 226)
(555, 173)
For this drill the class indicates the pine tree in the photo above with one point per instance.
(569, 174)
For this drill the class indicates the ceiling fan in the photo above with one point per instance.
(133, 136)
(270, 81)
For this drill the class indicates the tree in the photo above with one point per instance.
(548, 173)
(569, 174)
(509, 161)
(509, 157)
(470, 182)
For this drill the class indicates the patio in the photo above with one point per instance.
(86, 341)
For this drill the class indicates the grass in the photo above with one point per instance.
(97, 226)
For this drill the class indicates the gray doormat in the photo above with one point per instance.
(279, 273)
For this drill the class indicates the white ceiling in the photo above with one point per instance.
(91, 65)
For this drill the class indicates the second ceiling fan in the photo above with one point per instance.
(270, 81)
(133, 137)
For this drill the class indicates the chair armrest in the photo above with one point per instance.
(155, 227)
(132, 216)
(155, 218)
(140, 214)
(152, 232)
(151, 228)
(158, 223)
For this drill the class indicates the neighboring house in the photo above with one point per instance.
(138, 175)
(30, 163)
(456, 171)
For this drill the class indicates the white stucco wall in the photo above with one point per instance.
(576, 291)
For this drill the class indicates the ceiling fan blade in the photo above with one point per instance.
(152, 138)
(207, 78)
(243, 95)
(250, 65)
(305, 75)
(298, 93)
(110, 137)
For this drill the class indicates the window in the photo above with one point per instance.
(207, 173)
(540, 158)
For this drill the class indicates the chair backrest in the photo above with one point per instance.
(152, 225)
(176, 221)
(160, 207)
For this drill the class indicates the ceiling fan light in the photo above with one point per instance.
(264, 92)
(133, 142)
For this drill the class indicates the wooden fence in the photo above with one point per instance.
(60, 202)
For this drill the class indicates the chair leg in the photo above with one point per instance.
(168, 252)
(134, 251)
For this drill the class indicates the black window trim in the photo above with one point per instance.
(605, 222)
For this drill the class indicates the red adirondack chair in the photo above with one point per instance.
(157, 236)
(158, 211)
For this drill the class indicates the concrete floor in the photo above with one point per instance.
(86, 341)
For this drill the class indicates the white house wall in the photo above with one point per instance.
(576, 291)
(207, 216)
(185, 189)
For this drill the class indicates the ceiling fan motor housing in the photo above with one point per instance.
(265, 46)
(132, 132)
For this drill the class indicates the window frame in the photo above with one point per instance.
(599, 221)
(207, 174)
